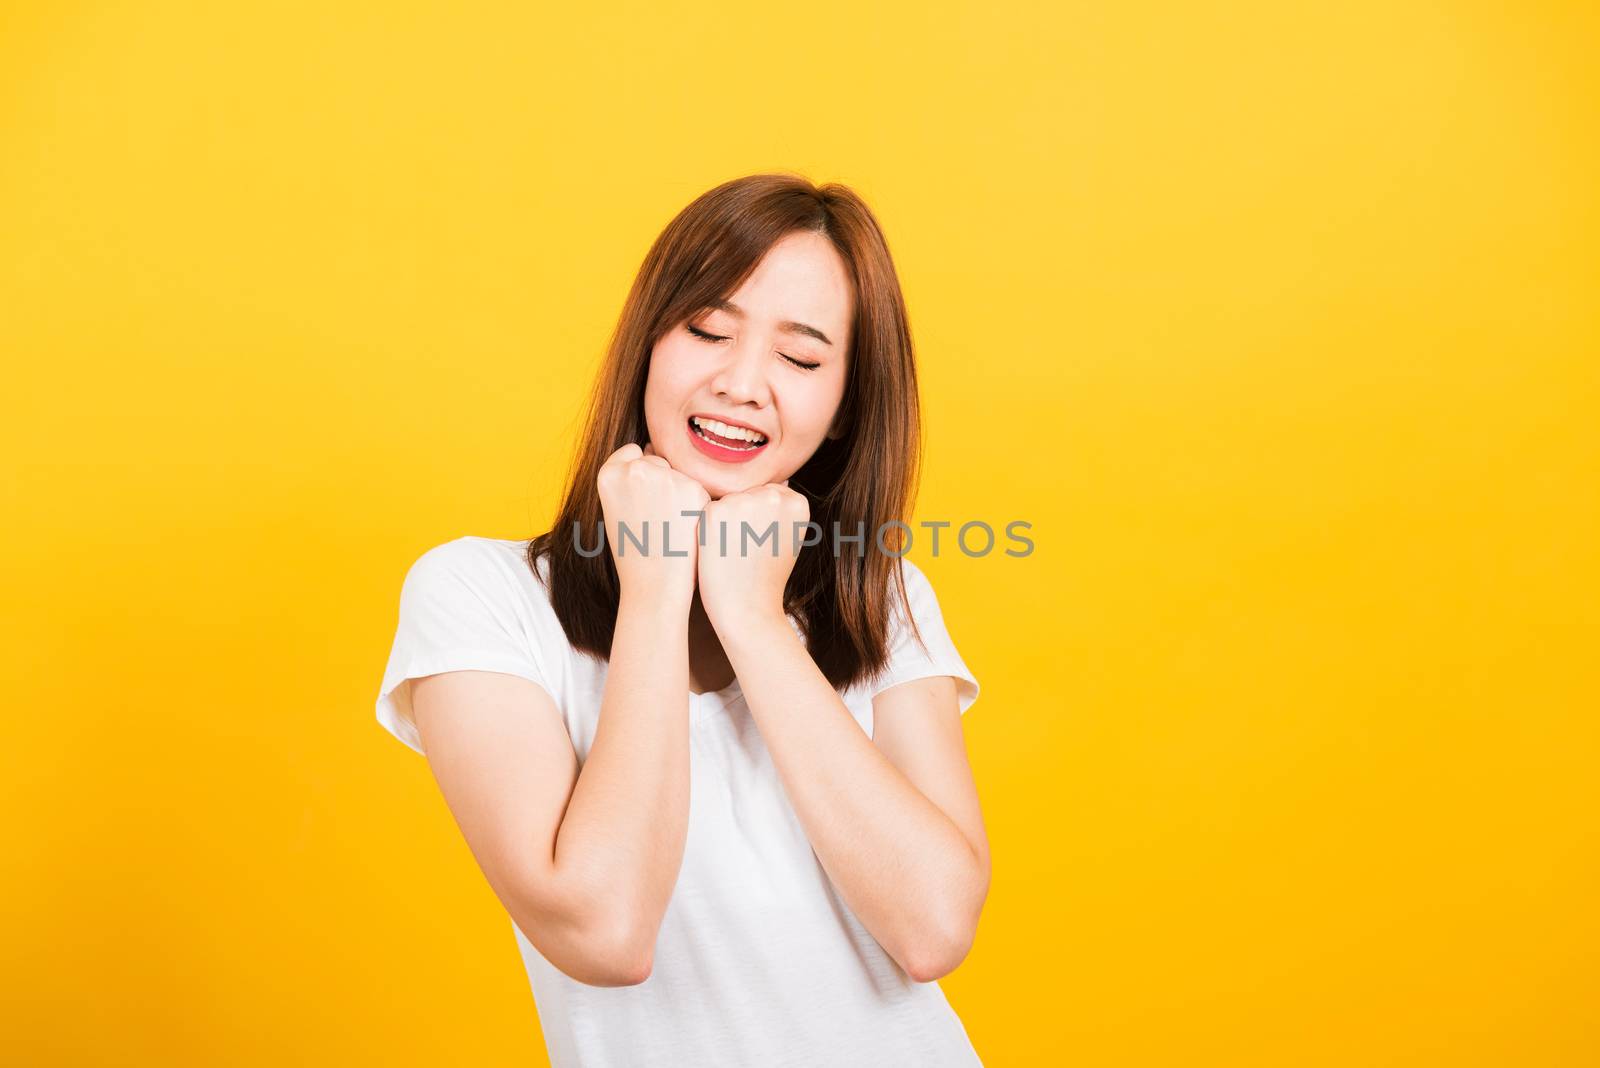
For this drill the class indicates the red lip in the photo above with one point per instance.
(720, 454)
(730, 422)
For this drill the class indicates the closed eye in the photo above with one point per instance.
(704, 336)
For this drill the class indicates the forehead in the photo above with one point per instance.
(801, 280)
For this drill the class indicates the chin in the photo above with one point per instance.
(735, 485)
(718, 490)
(716, 478)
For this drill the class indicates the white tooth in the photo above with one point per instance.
(718, 427)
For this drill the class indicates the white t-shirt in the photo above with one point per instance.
(758, 960)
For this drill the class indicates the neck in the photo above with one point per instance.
(708, 664)
(703, 642)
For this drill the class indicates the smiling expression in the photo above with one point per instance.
(744, 393)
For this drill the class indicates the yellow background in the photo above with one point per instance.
(1279, 325)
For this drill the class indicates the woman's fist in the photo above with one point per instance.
(752, 539)
(653, 544)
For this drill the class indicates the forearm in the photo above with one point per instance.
(622, 838)
(904, 868)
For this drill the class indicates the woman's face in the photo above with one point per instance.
(744, 394)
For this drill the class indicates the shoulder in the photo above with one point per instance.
(919, 591)
(914, 575)
(494, 569)
(924, 646)
(468, 555)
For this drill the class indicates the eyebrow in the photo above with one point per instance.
(787, 327)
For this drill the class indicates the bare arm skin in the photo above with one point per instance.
(584, 861)
(893, 819)
(895, 824)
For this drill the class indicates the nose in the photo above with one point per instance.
(742, 378)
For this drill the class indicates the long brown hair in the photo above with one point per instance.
(861, 480)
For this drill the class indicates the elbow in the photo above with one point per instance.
(936, 958)
(940, 947)
(630, 970)
(595, 947)
(945, 940)
(604, 961)
(618, 954)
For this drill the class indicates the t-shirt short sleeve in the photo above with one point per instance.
(909, 660)
(457, 613)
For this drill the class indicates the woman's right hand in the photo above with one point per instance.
(642, 490)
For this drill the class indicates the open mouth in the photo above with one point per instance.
(737, 439)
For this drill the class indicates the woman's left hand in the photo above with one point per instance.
(744, 582)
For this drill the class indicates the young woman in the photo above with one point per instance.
(720, 786)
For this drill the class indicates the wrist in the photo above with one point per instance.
(658, 607)
(751, 625)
